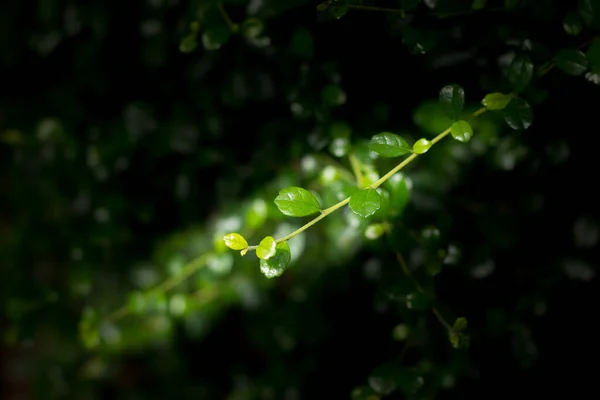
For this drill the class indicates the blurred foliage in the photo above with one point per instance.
(135, 135)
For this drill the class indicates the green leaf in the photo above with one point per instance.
(399, 186)
(235, 241)
(375, 231)
(408, 5)
(460, 324)
(323, 6)
(215, 37)
(364, 393)
(520, 72)
(496, 101)
(461, 131)
(571, 61)
(275, 265)
(339, 11)
(252, 27)
(266, 248)
(295, 201)
(188, 43)
(572, 23)
(518, 114)
(589, 11)
(417, 301)
(421, 146)
(431, 117)
(382, 379)
(365, 203)
(384, 204)
(333, 95)
(459, 340)
(389, 145)
(593, 56)
(302, 43)
(452, 98)
(478, 4)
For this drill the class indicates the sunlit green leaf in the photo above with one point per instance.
(461, 131)
(389, 145)
(571, 61)
(496, 101)
(235, 241)
(452, 97)
(520, 72)
(275, 265)
(297, 202)
(421, 146)
(266, 248)
(518, 114)
(365, 202)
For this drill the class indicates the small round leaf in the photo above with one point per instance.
(571, 61)
(496, 101)
(572, 23)
(518, 114)
(374, 231)
(365, 203)
(460, 324)
(593, 56)
(295, 201)
(520, 72)
(235, 241)
(452, 98)
(275, 265)
(421, 146)
(461, 131)
(266, 248)
(389, 145)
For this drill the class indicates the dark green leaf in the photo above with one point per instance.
(478, 4)
(571, 61)
(417, 301)
(460, 324)
(384, 204)
(389, 145)
(408, 380)
(297, 202)
(589, 11)
(275, 265)
(418, 41)
(520, 72)
(339, 11)
(364, 393)
(323, 6)
(333, 95)
(408, 5)
(365, 203)
(266, 248)
(382, 379)
(572, 23)
(518, 114)
(302, 44)
(511, 4)
(188, 44)
(421, 146)
(459, 340)
(399, 187)
(252, 27)
(452, 98)
(593, 56)
(496, 101)
(461, 131)
(215, 37)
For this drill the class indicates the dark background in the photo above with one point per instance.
(524, 219)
